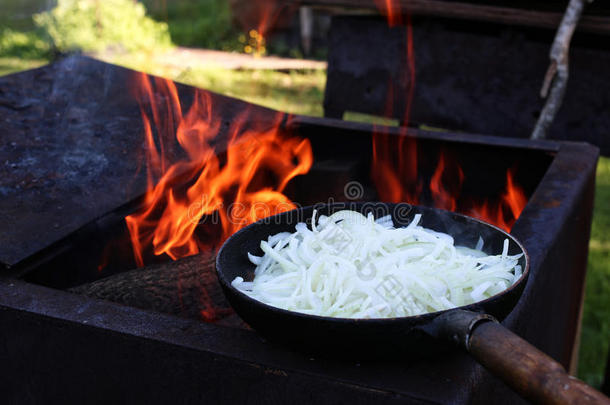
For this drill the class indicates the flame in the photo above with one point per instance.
(442, 197)
(503, 213)
(267, 14)
(394, 168)
(222, 188)
(221, 191)
(393, 11)
(514, 196)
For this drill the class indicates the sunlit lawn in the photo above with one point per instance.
(298, 92)
(302, 93)
(596, 323)
(11, 65)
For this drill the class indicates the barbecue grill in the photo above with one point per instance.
(71, 175)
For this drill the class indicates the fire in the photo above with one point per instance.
(206, 181)
(393, 11)
(504, 212)
(220, 188)
(394, 168)
(442, 197)
(446, 184)
(267, 13)
(514, 197)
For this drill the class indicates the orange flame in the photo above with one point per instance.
(514, 196)
(505, 212)
(230, 189)
(393, 11)
(394, 168)
(441, 195)
(268, 13)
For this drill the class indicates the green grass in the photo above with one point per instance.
(10, 65)
(297, 92)
(197, 23)
(17, 14)
(294, 92)
(369, 119)
(595, 336)
(302, 93)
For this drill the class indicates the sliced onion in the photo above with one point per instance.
(351, 266)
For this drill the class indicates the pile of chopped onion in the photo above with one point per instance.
(351, 266)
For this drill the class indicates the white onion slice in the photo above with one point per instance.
(351, 266)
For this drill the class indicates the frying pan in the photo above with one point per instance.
(473, 327)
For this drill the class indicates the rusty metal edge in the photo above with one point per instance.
(60, 309)
(18, 296)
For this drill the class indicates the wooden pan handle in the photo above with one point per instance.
(527, 370)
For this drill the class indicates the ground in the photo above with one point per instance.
(596, 322)
(13, 64)
(295, 91)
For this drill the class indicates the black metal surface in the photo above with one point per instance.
(470, 76)
(380, 56)
(566, 183)
(64, 161)
(110, 344)
(108, 352)
(72, 145)
(457, 326)
(358, 338)
(65, 348)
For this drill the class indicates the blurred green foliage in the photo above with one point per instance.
(295, 91)
(82, 25)
(595, 336)
(17, 14)
(12, 64)
(197, 23)
(27, 45)
(95, 25)
(19, 36)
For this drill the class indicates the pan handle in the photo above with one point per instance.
(527, 370)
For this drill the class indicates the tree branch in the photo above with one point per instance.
(556, 78)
